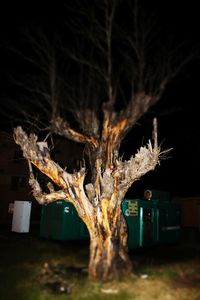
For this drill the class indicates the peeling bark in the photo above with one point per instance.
(108, 254)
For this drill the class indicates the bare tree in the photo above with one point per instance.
(116, 74)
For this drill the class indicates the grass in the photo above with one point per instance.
(163, 273)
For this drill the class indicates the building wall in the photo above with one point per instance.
(190, 211)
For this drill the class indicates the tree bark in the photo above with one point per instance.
(108, 249)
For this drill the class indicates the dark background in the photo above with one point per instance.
(178, 109)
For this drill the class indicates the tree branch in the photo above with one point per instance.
(62, 128)
(38, 154)
(44, 198)
(39, 195)
(71, 184)
(144, 161)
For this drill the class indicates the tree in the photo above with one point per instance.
(116, 74)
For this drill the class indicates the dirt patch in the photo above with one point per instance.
(57, 278)
(188, 280)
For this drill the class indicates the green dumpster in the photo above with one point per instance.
(151, 222)
(142, 222)
(60, 221)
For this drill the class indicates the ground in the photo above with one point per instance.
(32, 268)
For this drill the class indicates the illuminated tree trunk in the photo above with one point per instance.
(108, 250)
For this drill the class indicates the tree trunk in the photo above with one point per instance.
(108, 249)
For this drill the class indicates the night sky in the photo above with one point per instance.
(177, 111)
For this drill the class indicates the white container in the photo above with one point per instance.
(21, 216)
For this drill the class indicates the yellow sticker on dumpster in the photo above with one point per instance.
(133, 208)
